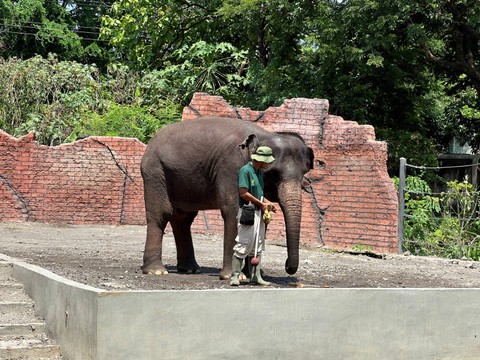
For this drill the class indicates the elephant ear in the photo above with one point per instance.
(248, 146)
(311, 156)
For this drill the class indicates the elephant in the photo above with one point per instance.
(193, 165)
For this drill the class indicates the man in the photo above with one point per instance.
(250, 190)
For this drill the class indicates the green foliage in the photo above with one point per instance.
(274, 37)
(377, 67)
(120, 85)
(445, 226)
(409, 68)
(460, 208)
(420, 208)
(148, 32)
(45, 95)
(463, 118)
(201, 67)
(68, 29)
(416, 148)
(62, 100)
(127, 121)
(362, 248)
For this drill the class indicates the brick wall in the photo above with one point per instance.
(91, 181)
(350, 199)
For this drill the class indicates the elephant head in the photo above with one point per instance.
(283, 184)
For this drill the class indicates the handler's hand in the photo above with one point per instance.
(268, 206)
(272, 207)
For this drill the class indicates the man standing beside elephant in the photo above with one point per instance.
(250, 190)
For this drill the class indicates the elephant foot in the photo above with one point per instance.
(189, 268)
(225, 274)
(154, 269)
(242, 277)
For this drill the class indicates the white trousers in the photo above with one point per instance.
(245, 240)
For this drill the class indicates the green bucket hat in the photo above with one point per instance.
(263, 154)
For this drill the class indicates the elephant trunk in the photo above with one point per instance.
(290, 200)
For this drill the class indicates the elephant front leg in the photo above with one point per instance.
(152, 256)
(229, 235)
(181, 223)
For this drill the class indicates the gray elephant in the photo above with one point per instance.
(193, 165)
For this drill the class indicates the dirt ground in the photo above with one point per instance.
(109, 257)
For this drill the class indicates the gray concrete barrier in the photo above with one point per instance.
(261, 323)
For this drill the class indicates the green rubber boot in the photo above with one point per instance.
(236, 268)
(256, 273)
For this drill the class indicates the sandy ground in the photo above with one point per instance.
(109, 257)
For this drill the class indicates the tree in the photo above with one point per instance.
(374, 66)
(200, 67)
(147, 33)
(449, 34)
(67, 28)
(273, 37)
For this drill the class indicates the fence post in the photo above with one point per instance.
(401, 203)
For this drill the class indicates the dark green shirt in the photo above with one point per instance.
(252, 180)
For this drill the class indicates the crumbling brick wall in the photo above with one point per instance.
(350, 199)
(92, 181)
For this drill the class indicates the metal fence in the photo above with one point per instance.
(472, 168)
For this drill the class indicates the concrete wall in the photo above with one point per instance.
(256, 323)
(350, 199)
(69, 308)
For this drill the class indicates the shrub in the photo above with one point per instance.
(127, 121)
(447, 225)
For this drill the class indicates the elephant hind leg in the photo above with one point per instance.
(152, 256)
(158, 211)
(181, 222)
